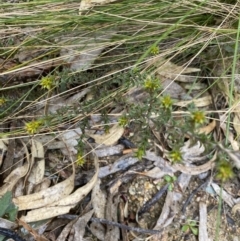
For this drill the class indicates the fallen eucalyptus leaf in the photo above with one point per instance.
(111, 137)
(64, 205)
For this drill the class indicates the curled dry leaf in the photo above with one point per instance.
(196, 170)
(46, 196)
(190, 153)
(64, 205)
(111, 137)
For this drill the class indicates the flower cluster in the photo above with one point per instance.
(167, 102)
(33, 127)
(151, 84)
(224, 170)
(47, 82)
(175, 155)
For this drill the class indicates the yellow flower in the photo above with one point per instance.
(80, 160)
(151, 84)
(47, 82)
(175, 155)
(224, 171)
(2, 101)
(123, 121)
(167, 102)
(198, 117)
(33, 126)
(154, 50)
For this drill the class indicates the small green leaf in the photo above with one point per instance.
(168, 178)
(192, 223)
(194, 230)
(174, 178)
(7, 209)
(185, 228)
(5, 200)
(2, 237)
(170, 187)
(12, 212)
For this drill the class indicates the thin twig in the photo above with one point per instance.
(139, 230)
(152, 201)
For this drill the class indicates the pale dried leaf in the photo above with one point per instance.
(3, 148)
(189, 152)
(65, 232)
(79, 231)
(111, 137)
(46, 196)
(38, 165)
(82, 60)
(86, 4)
(174, 90)
(159, 162)
(157, 172)
(19, 189)
(64, 205)
(28, 160)
(37, 173)
(208, 128)
(171, 204)
(4, 223)
(81, 56)
(12, 179)
(230, 136)
(236, 122)
(200, 102)
(109, 150)
(203, 232)
(112, 233)
(98, 200)
(37, 149)
(196, 170)
(234, 155)
(43, 185)
(225, 196)
(58, 102)
(98, 230)
(168, 69)
(70, 138)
